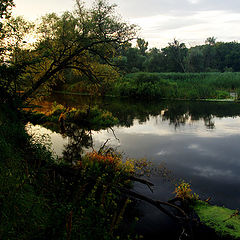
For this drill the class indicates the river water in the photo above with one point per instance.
(198, 142)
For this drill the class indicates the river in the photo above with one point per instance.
(195, 141)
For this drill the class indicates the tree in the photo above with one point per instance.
(175, 55)
(195, 60)
(77, 40)
(134, 60)
(5, 13)
(5, 8)
(211, 41)
(155, 61)
(12, 65)
(142, 45)
(12, 32)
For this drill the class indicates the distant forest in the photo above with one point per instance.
(91, 52)
(213, 56)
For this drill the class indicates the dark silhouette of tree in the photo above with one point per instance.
(175, 55)
(5, 8)
(80, 40)
(211, 41)
(142, 45)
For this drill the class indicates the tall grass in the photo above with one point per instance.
(179, 85)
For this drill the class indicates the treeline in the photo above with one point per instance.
(91, 51)
(176, 57)
(209, 71)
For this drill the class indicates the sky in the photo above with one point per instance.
(160, 21)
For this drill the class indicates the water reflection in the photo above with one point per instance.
(79, 140)
(176, 113)
(198, 141)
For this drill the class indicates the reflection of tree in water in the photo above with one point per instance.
(177, 120)
(208, 121)
(177, 113)
(79, 139)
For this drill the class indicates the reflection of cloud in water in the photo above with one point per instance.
(224, 127)
(156, 135)
(155, 126)
(208, 171)
(162, 153)
(57, 140)
(193, 146)
(100, 138)
(202, 151)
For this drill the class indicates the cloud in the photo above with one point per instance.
(35, 9)
(140, 8)
(190, 21)
(192, 29)
(194, 1)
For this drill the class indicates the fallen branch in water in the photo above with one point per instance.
(158, 204)
(174, 200)
(114, 134)
(143, 181)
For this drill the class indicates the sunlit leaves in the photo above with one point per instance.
(85, 41)
(5, 7)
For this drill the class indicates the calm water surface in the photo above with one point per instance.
(197, 141)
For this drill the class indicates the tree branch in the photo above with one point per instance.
(158, 204)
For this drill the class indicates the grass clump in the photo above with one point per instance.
(90, 117)
(224, 221)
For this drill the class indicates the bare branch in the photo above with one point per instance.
(158, 204)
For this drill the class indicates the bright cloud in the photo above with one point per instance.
(190, 21)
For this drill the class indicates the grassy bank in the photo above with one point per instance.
(179, 85)
(45, 198)
(224, 221)
(182, 86)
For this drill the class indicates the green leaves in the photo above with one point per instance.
(5, 8)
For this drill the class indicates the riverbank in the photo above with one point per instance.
(177, 99)
(184, 111)
(225, 222)
(177, 86)
(82, 200)
(182, 86)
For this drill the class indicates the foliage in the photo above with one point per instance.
(89, 117)
(178, 85)
(213, 56)
(5, 7)
(76, 83)
(83, 201)
(101, 212)
(184, 192)
(223, 220)
(23, 209)
(110, 161)
(84, 41)
(12, 64)
(142, 45)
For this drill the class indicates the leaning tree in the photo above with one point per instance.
(85, 41)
